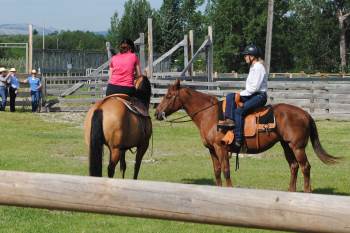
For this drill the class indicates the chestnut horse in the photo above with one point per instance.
(110, 122)
(294, 127)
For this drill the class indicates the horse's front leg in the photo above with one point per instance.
(216, 167)
(222, 153)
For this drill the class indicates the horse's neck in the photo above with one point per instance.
(199, 106)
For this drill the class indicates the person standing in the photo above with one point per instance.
(35, 89)
(4, 80)
(122, 69)
(13, 89)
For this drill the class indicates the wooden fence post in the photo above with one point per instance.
(150, 48)
(191, 44)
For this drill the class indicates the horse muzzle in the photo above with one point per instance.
(160, 116)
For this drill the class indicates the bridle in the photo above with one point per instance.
(176, 120)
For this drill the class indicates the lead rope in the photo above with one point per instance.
(237, 161)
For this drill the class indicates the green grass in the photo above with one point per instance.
(29, 143)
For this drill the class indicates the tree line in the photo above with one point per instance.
(308, 35)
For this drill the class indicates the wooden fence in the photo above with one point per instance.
(323, 98)
(264, 209)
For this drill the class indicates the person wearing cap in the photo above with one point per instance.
(255, 93)
(35, 89)
(4, 81)
(13, 89)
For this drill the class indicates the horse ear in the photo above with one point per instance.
(177, 83)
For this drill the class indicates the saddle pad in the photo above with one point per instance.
(132, 103)
(136, 106)
(258, 121)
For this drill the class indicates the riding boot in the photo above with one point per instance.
(238, 143)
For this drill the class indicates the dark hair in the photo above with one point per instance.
(130, 43)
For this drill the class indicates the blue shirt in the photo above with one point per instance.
(34, 83)
(14, 82)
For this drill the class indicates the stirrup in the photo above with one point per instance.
(226, 124)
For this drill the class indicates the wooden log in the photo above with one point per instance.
(182, 202)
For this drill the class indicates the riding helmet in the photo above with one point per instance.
(252, 50)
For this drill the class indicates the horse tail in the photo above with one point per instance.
(96, 144)
(316, 144)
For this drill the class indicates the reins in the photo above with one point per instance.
(176, 120)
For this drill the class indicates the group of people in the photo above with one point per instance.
(9, 85)
(125, 65)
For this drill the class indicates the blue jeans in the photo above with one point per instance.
(3, 95)
(35, 99)
(250, 102)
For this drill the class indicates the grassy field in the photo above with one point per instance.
(53, 143)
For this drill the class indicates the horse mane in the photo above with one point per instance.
(192, 91)
(144, 90)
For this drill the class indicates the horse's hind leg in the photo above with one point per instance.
(113, 161)
(300, 155)
(293, 165)
(122, 163)
(216, 167)
(141, 150)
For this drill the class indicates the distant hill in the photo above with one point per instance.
(22, 29)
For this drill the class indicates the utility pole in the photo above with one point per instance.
(269, 36)
(30, 52)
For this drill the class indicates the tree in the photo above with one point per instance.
(171, 25)
(113, 30)
(316, 35)
(133, 22)
(343, 13)
(236, 23)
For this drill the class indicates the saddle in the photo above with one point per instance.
(132, 103)
(261, 120)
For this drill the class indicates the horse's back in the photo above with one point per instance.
(290, 112)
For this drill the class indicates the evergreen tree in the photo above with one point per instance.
(132, 23)
(171, 25)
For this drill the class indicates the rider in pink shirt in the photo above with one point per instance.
(122, 69)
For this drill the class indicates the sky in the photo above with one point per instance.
(92, 15)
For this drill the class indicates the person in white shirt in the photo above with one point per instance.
(254, 95)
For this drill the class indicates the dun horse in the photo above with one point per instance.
(110, 122)
(294, 128)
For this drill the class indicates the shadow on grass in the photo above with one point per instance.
(202, 181)
(329, 191)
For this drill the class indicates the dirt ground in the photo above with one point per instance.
(76, 118)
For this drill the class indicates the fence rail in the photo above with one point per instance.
(181, 202)
(322, 98)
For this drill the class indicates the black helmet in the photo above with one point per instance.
(252, 50)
